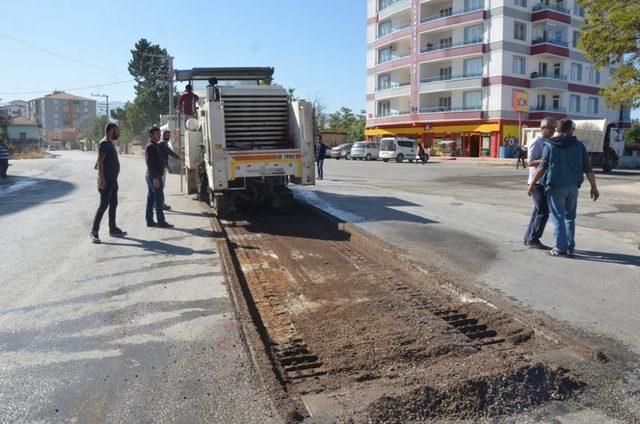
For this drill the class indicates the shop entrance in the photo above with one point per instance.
(471, 145)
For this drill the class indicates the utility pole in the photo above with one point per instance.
(170, 60)
(106, 96)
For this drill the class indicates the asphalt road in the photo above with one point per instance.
(470, 218)
(133, 330)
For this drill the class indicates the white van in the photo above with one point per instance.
(398, 149)
(367, 150)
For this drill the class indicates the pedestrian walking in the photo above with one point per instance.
(4, 160)
(165, 151)
(155, 186)
(565, 160)
(540, 213)
(108, 167)
(321, 153)
(521, 155)
(419, 154)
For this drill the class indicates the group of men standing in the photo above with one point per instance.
(557, 166)
(157, 154)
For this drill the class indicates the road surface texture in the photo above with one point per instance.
(138, 330)
(469, 218)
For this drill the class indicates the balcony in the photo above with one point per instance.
(450, 50)
(451, 14)
(388, 7)
(544, 6)
(448, 78)
(448, 82)
(541, 112)
(393, 85)
(392, 57)
(447, 46)
(549, 80)
(450, 109)
(555, 47)
(392, 113)
(394, 30)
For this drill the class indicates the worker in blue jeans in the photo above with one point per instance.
(321, 153)
(155, 185)
(565, 160)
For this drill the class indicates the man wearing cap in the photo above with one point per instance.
(187, 101)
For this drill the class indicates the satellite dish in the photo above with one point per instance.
(192, 124)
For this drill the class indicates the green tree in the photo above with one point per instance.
(633, 134)
(610, 35)
(96, 129)
(344, 120)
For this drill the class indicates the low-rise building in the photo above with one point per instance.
(13, 109)
(23, 133)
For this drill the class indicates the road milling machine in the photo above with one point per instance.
(247, 141)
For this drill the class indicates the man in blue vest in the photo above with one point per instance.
(565, 160)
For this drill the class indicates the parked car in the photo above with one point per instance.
(398, 149)
(342, 151)
(367, 150)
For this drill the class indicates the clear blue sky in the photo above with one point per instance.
(316, 47)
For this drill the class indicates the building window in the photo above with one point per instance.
(473, 4)
(446, 42)
(576, 38)
(556, 102)
(576, 72)
(23, 136)
(444, 102)
(445, 73)
(518, 65)
(384, 55)
(574, 103)
(521, 3)
(578, 10)
(384, 82)
(593, 105)
(446, 12)
(542, 102)
(594, 75)
(384, 28)
(520, 31)
(473, 67)
(472, 100)
(384, 108)
(473, 34)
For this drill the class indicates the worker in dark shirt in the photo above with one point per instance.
(165, 152)
(187, 101)
(155, 194)
(321, 153)
(108, 167)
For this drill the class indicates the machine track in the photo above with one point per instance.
(358, 333)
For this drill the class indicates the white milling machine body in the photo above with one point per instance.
(254, 141)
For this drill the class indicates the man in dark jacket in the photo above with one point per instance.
(155, 186)
(108, 167)
(565, 160)
(321, 153)
(165, 151)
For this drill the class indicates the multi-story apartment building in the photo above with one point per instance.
(61, 110)
(448, 69)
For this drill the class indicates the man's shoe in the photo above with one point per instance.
(536, 245)
(151, 224)
(117, 232)
(166, 207)
(164, 224)
(94, 238)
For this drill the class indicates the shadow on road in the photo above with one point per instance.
(158, 247)
(19, 193)
(606, 257)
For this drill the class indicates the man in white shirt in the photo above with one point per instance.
(540, 213)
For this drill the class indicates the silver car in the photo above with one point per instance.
(367, 150)
(342, 151)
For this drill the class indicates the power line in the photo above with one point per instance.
(59, 55)
(69, 89)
